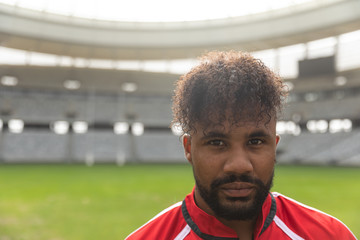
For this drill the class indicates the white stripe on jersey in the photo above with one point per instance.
(286, 230)
(158, 215)
(276, 194)
(183, 233)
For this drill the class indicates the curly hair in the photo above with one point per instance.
(227, 86)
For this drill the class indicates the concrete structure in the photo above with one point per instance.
(39, 99)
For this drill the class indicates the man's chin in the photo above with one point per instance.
(237, 208)
(236, 203)
(240, 212)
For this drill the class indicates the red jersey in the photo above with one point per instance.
(280, 218)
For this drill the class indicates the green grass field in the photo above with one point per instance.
(74, 202)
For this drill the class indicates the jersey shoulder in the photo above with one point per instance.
(308, 222)
(165, 225)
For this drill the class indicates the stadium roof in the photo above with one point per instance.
(154, 10)
(289, 22)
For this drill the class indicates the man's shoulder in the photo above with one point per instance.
(164, 225)
(308, 220)
(287, 206)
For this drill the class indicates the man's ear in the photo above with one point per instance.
(187, 147)
(277, 139)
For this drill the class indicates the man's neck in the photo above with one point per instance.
(243, 229)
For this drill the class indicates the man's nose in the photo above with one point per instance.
(238, 161)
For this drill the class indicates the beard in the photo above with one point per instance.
(235, 208)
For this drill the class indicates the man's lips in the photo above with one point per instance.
(238, 189)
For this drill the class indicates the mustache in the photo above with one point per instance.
(236, 178)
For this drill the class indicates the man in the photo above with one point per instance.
(227, 107)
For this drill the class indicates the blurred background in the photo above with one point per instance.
(91, 82)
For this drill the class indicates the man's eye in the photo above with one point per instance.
(255, 141)
(217, 143)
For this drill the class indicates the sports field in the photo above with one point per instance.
(74, 202)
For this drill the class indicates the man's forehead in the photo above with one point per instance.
(228, 126)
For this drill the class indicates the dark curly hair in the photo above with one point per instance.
(227, 84)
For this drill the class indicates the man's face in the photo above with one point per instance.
(233, 167)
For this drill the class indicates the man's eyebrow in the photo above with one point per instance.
(214, 134)
(259, 133)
